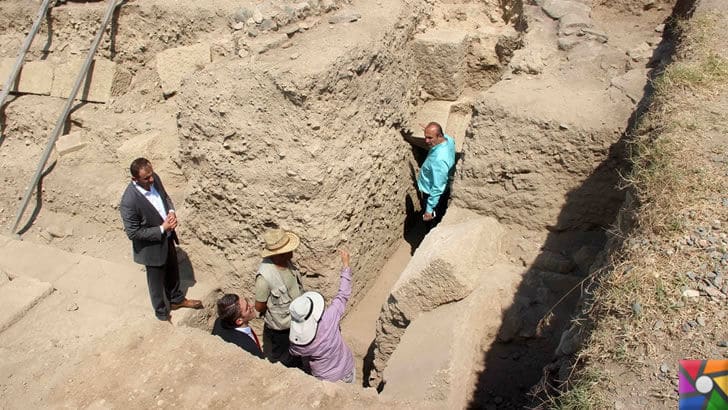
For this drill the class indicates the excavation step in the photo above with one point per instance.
(18, 295)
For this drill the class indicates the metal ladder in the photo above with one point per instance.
(21, 55)
(66, 110)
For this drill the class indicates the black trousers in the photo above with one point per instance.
(275, 347)
(440, 209)
(163, 283)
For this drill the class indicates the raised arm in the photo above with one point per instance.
(338, 304)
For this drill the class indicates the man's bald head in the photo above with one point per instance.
(433, 134)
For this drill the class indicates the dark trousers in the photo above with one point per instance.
(163, 283)
(440, 209)
(275, 347)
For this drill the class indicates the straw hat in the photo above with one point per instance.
(278, 241)
(306, 311)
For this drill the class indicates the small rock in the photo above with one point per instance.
(723, 343)
(295, 56)
(257, 16)
(715, 224)
(690, 293)
(659, 325)
(692, 323)
(636, 308)
(648, 5)
(563, 126)
(664, 368)
(239, 26)
(700, 320)
(344, 17)
(72, 307)
(660, 28)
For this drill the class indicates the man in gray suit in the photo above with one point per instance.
(150, 222)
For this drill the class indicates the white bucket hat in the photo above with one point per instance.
(306, 311)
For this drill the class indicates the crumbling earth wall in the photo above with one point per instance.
(317, 153)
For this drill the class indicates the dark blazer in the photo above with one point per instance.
(141, 223)
(236, 337)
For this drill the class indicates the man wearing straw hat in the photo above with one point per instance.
(277, 283)
(316, 333)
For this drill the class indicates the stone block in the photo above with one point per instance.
(95, 88)
(18, 296)
(6, 66)
(451, 335)
(440, 56)
(446, 268)
(457, 123)
(152, 145)
(176, 64)
(36, 77)
(70, 142)
(557, 9)
(632, 83)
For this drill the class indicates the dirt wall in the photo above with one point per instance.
(318, 154)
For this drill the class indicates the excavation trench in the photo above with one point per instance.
(324, 147)
(317, 133)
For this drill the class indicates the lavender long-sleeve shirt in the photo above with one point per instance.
(329, 357)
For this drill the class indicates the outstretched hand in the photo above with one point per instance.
(345, 258)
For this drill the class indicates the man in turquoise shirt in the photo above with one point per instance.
(436, 171)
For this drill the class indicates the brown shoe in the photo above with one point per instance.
(187, 303)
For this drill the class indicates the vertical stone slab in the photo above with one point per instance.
(440, 56)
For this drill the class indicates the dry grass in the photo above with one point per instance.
(673, 183)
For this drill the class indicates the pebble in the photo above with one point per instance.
(700, 320)
(636, 308)
(723, 343)
(72, 307)
(659, 325)
(664, 368)
(692, 323)
(691, 293)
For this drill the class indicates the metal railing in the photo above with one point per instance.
(21, 55)
(64, 114)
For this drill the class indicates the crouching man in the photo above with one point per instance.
(316, 334)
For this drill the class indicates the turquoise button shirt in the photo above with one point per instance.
(436, 171)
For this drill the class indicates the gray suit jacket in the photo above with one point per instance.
(141, 223)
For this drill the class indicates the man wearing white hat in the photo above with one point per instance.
(277, 283)
(316, 333)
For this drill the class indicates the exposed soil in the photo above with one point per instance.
(294, 116)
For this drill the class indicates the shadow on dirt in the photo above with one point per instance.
(526, 363)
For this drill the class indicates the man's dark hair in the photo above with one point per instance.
(228, 310)
(437, 126)
(138, 164)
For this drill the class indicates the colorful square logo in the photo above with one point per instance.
(703, 385)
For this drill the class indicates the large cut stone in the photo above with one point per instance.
(95, 88)
(440, 56)
(176, 64)
(36, 77)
